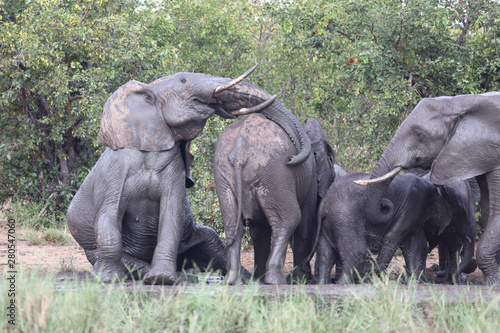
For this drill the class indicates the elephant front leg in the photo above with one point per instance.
(415, 254)
(488, 252)
(444, 259)
(326, 257)
(171, 225)
(108, 265)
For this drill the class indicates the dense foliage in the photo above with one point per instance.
(357, 66)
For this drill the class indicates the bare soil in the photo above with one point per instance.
(70, 258)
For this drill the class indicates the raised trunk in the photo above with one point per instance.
(378, 209)
(245, 95)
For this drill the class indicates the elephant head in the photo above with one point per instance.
(456, 138)
(324, 155)
(175, 108)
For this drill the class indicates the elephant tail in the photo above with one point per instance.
(238, 170)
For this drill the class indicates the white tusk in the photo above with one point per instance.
(236, 81)
(255, 108)
(380, 179)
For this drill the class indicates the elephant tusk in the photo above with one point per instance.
(380, 179)
(236, 81)
(255, 108)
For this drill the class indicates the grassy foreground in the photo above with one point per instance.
(84, 307)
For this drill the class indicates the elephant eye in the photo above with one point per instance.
(183, 80)
(420, 135)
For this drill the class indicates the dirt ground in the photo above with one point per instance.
(53, 259)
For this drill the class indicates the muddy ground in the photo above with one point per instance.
(54, 259)
(68, 262)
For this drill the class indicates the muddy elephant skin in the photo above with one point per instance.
(348, 239)
(257, 187)
(456, 138)
(131, 212)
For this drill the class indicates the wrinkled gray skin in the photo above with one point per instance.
(456, 138)
(339, 171)
(257, 188)
(131, 210)
(347, 238)
(457, 239)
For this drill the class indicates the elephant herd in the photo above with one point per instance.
(133, 218)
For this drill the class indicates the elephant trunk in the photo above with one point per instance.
(467, 264)
(245, 95)
(380, 210)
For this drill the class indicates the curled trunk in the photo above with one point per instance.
(245, 95)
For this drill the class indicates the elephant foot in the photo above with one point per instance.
(471, 267)
(273, 277)
(344, 280)
(493, 280)
(136, 268)
(157, 277)
(108, 273)
(299, 278)
(442, 273)
(232, 278)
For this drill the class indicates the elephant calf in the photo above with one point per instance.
(258, 187)
(459, 235)
(421, 213)
(347, 238)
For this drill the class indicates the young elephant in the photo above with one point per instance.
(257, 188)
(347, 238)
(459, 235)
(131, 210)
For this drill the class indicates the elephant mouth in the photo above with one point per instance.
(219, 108)
(221, 111)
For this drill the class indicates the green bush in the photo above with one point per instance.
(358, 67)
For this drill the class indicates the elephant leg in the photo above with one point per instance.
(170, 232)
(415, 254)
(108, 254)
(204, 249)
(136, 267)
(302, 245)
(233, 228)
(444, 259)
(389, 247)
(352, 248)
(283, 225)
(326, 257)
(261, 238)
(489, 246)
(91, 256)
(454, 259)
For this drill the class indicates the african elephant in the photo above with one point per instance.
(458, 237)
(456, 138)
(347, 238)
(257, 188)
(131, 210)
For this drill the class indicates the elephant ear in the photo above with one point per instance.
(188, 161)
(439, 216)
(132, 120)
(324, 155)
(474, 148)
